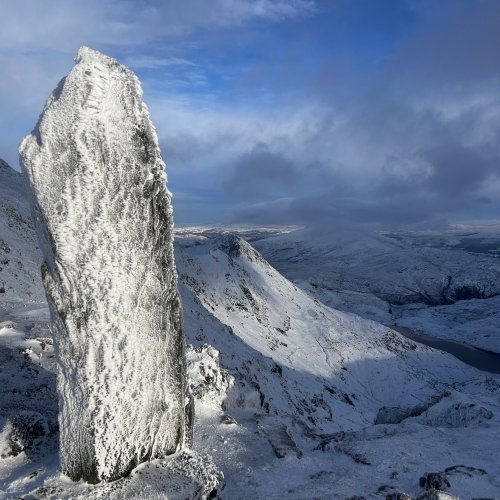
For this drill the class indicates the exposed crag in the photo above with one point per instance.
(104, 220)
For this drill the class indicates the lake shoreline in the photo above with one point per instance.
(482, 359)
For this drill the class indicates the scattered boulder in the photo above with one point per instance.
(434, 480)
(228, 420)
(208, 382)
(350, 452)
(437, 495)
(465, 470)
(459, 415)
(392, 493)
(399, 495)
(395, 415)
(4, 247)
(279, 438)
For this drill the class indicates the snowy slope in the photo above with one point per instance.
(369, 274)
(310, 382)
(475, 322)
(314, 345)
(19, 256)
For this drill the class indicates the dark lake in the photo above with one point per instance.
(487, 361)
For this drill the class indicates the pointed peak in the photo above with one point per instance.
(86, 54)
(235, 246)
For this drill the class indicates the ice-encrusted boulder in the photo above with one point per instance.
(104, 221)
(208, 382)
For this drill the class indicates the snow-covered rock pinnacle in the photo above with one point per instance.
(104, 220)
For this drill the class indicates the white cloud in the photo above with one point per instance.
(39, 38)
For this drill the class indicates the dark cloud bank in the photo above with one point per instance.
(430, 119)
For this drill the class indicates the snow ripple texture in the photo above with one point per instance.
(104, 219)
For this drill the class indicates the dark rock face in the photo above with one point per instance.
(434, 480)
(104, 221)
(27, 430)
(398, 496)
(228, 420)
(396, 415)
(19, 254)
(433, 494)
(280, 438)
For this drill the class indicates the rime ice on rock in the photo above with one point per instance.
(104, 219)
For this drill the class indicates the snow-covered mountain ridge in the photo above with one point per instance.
(279, 321)
(394, 270)
(347, 272)
(369, 274)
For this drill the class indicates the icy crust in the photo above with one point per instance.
(183, 476)
(104, 219)
(29, 430)
(209, 383)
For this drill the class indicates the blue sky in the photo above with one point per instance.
(382, 113)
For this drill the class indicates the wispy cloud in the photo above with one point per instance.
(146, 61)
(34, 25)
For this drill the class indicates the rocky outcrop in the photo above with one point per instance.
(104, 221)
(434, 480)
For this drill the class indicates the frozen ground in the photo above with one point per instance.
(29, 463)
